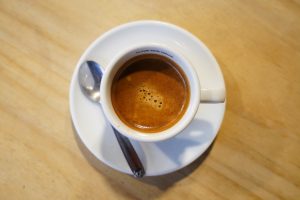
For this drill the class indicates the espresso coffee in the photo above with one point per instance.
(150, 93)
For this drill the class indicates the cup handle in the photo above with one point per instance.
(216, 95)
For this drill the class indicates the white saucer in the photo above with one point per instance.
(162, 157)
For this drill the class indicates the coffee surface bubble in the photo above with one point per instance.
(150, 97)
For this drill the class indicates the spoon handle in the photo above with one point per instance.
(131, 156)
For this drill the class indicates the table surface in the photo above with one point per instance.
(256, 153)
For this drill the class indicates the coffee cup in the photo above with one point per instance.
(151, 93)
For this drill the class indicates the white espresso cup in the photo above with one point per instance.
(197, 94)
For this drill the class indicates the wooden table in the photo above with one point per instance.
(256, 154)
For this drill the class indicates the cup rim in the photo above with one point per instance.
(158, 136)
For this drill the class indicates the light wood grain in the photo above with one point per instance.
(256, 154)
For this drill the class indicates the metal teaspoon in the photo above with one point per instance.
(90, 75)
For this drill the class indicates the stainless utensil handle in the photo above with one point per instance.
(131, 156)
